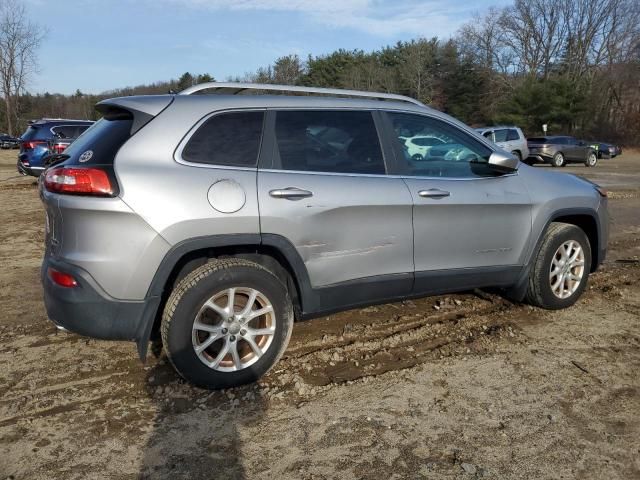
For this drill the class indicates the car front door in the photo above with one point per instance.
(323, 189)
(471, 223)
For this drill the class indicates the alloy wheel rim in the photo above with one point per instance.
(592, 159)
(233, 329)
(567, 269)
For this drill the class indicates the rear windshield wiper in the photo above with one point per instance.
(55, 159)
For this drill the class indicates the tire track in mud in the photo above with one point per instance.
(323, 353)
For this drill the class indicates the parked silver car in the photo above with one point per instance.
(219, 219)
(508, 138)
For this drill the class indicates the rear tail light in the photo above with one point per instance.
(61, 278)
(30, 145)
(79, 181)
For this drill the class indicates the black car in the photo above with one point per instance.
(606, 150)
(7, 141)
(560, 150)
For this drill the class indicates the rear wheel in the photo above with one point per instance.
(227, 323)
(560, 270)
(591, 160)
(517, 154)
(558, 160)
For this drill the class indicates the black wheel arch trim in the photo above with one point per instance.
(185, 247)
(519, 290)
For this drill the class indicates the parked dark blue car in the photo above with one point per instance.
(34, 143)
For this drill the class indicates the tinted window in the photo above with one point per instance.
(501, 135)
(103, 139)
(459, 154)
(231, 139)
(512, 135)
(488, 135)
(327, 141)
(537, 140)
(65, 131)
(31, 133)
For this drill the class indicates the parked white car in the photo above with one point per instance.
(418, 147)
(508, 138)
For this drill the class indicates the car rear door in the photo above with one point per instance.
(471, 224)
(323, 189)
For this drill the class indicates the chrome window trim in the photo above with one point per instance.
(369, 175)
(177, 156)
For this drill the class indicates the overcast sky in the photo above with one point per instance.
(97, 45)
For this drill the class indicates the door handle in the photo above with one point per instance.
(433, 193)
(291, 193)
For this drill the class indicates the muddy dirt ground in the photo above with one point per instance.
(459, 386)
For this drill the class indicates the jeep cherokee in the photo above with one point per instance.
(217, 219)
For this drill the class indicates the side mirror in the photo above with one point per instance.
(504, 162)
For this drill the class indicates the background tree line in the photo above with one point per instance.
(572, 64)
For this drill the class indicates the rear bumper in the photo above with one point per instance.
(87, 310)
(33, 171)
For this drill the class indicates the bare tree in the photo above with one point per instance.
(19, 42)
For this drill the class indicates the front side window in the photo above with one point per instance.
(501, 135)
(457, 155)
(327, 141)
(227, 139)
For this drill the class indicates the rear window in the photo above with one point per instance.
(537, 140)
(31, 133)
(353, 146)
(99, 144)
(228, 139)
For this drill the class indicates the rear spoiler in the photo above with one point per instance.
(142, 108)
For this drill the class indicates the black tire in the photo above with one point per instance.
(416, 157)
(539, 291)
(189, 296)
(517, 154)
(558, 160)
(592, 160)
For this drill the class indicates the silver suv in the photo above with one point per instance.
(510, 139)
(218, 219)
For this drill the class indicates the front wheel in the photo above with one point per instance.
(560, 270)
(558, 160)
(227, 323)
(591, 160)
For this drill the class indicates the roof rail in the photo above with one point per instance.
(240, 87)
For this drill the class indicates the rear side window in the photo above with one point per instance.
(537, 140)
(69, 131)
(228, 139)
(328, 141)
(100, 142)
(512, 135)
